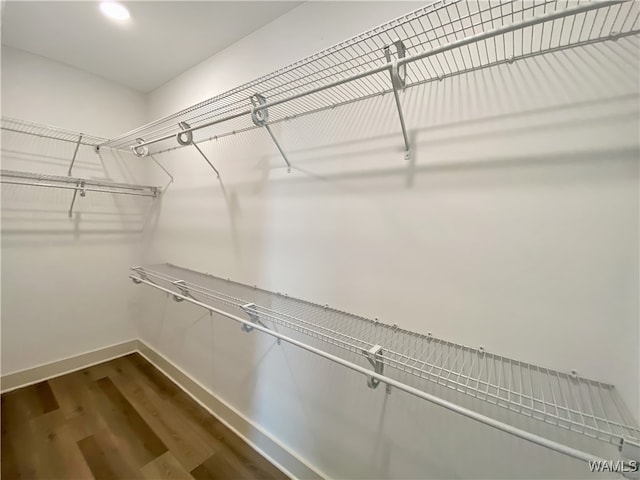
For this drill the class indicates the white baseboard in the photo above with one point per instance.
(23, 378)
(259, 439)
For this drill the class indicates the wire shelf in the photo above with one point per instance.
(443, 39)
(578, 404)
(46, 131)
(13, 177)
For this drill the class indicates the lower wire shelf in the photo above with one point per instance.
(14, 177)
(566, 400)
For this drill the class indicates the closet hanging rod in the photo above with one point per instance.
(69, 187)
(504, 427)
(73, 180)
(140, 146)
(13, 177)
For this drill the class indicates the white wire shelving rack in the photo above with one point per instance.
(75, 184)
(562, 399)
(46, 131)
(443, 39)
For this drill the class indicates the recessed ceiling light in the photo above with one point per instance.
(114, 10)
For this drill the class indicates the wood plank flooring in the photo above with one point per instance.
(121, 419)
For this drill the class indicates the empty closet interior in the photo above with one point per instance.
(327, 239)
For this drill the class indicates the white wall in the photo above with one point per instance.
(64, 279)
(44, 91)
(516, 229)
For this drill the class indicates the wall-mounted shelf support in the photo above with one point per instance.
(398, 74)
(185, 137)
(80, 186)
(182, 287)
(75, 154)
(251, 310)
(260, 118)
(141, 274)
(374, 355)
(139, 149)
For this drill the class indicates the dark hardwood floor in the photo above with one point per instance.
(121, 419)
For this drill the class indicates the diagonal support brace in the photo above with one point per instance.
(75, 154)
(398, 82)
(186, 138)
(260, 118)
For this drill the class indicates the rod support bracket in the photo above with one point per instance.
(398, 72)
(249, 309)
(184, 138)
(260, 117)
(184, 291)
(140, 150)
(374, 355)
(141, 273)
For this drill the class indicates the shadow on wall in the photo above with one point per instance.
(476, 160)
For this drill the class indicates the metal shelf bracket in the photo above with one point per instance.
(80, 186)
(374, 355)
(251, 310)
(140, 150)
(182, 286)
(398, 82)
(75, 154)
(260, 118)
(141, 273)
(186, 138)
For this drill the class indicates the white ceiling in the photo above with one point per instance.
(161, 39)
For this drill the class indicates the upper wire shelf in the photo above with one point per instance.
(46, 131)
(439, 40)
(566, 400)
